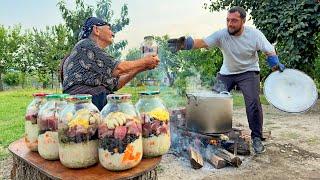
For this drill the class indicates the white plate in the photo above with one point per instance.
(291, 91)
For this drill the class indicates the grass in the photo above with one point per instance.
(13, 105)
(290, 135)
(313, 140)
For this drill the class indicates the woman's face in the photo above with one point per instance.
(105, 34)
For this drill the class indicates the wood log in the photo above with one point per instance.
(186, 132)
(230, 158)
(217, 162)
(238, 147)
(196, 159)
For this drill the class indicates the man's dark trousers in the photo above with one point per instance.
(249, 84)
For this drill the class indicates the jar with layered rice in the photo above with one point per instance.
(155, 124)
(31, 126)
(48, 143)
(77, 132)
(120, 141)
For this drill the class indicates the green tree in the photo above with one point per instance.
(178, 67)
(203, 63)
(23, 57)
(133, 54)
(3, 53)
(317, 62)
(75, 18)
(291, 24)
(50, 46)
(169, 62)
(10, 39)
(11, 78)
(60, 48)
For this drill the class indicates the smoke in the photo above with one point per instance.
(219, 86)
(194, 84)
(182, 140)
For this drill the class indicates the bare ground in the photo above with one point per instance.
(292, 153)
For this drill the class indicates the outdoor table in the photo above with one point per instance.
(30, 165)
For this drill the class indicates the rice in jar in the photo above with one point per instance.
(77, 132)
(155, 124)
(48, 143)
(31, 126)
(120, 140)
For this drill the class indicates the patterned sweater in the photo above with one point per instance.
(88, 70)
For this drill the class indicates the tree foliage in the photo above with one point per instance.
(177, 68)
(50, 47)
(75, 18)
(10, 40)
(292, 25)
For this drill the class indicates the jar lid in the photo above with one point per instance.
(40, 94)
(83, 96)
(119, 96)
(71, 98)
(149, 92)
(56, 96)
(148, 37)
(291, 91)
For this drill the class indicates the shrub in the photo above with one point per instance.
(12, 78)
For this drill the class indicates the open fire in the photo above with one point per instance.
(219, 150)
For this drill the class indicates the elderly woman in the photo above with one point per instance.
(90, 70)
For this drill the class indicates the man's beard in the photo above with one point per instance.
(234, 32)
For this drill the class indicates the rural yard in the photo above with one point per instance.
(292, 152)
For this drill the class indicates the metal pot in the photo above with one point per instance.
(207, 112)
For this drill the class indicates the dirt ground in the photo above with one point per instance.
(293, 152)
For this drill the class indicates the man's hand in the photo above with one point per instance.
(274, 63)
(181, 43)
(151, 61)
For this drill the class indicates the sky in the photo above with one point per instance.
(147, 17)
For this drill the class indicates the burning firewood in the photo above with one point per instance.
(217, 162)
(196, 159)
(230, 158)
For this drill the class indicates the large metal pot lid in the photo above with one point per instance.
(291, 91)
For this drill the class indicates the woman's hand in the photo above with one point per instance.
(151, 61)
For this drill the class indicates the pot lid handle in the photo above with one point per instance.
(225, 92)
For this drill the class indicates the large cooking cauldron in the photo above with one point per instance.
(208, 112)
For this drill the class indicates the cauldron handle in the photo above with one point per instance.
(189, 96)
(225, 92)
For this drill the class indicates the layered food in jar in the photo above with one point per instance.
(48, 143)
(120, 141)
(155, 124)
(31, 127)
(77, 132)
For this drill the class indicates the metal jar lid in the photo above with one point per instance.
(291, 91)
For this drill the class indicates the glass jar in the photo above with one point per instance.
(48, 146)
(151, 77)
(155, 124)
(120, 141)
(31, 127)
(149, 46)
(77, 132)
